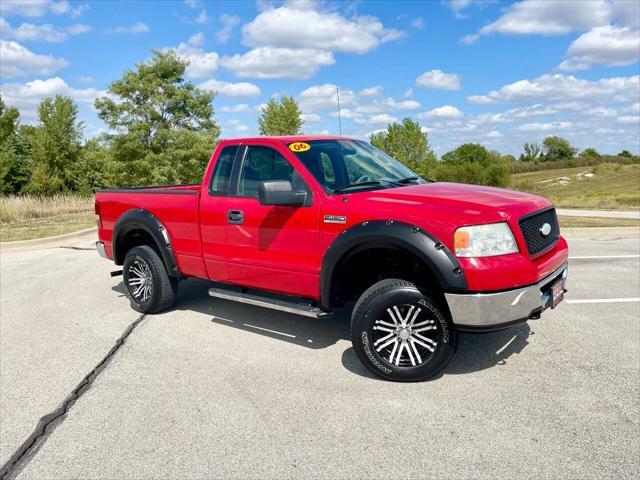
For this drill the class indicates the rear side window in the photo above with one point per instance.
(222, 171)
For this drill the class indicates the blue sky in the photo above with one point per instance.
(496, 73)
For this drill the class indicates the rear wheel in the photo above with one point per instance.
(401, 333)
(149, 287)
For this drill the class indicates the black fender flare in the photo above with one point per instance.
(389, 233)
(140, 219)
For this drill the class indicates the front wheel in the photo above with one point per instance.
(149, 288)
(400, 333)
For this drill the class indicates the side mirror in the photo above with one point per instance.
(280, 192)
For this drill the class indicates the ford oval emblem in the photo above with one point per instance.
(545, 229)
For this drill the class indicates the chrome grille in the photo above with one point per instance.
(532, 230)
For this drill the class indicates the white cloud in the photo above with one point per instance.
(537, 110)
(402, 105)
(606, 45)
(494, 135)
(634, 108)
(300, 25)
(417, 23)
(629, 120)
(267, 62)
(27, 32)
(240, 108)
(383, 118)
(324, 96)
(530, 17)
(202, 18)
(39, 8)
(26, 96)
(191, 3)
(458, 6)
(196, 40)
(227, 89)
(228, 22)
(371, 91)
(561, 88)
(549, 18)
(138, 27)
(311, 117)
(542, 127)
(18, 61)
(446, 111)
(437, 79)
(201, 64)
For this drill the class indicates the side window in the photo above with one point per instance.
(327, 170)
(262, 164)
(222, 170)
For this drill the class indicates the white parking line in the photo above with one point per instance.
(605, 300)
(603, 256)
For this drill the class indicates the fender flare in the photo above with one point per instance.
(384, 234)
(140, 219)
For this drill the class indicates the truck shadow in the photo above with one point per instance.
(476, 352)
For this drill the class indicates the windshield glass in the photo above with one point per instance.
(342, 164)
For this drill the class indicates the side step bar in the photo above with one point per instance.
(272, 303)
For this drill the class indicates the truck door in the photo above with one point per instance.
(271, 247)
(213, 215)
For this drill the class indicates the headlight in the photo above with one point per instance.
(484, 240)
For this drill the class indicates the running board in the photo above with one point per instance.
(272, 303)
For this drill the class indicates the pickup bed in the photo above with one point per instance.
(310, 225)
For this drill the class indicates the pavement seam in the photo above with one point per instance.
(47, 424)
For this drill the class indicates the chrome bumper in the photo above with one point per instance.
(101, 251)
(478, 311)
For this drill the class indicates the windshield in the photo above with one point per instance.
(339, 165)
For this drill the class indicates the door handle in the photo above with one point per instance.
(235, 217)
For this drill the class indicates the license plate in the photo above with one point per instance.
(557, 293)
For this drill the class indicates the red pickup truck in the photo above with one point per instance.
(309, 225)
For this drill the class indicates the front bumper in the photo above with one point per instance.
(493, 311)
(101, 251)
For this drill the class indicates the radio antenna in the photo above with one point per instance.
(339, 110)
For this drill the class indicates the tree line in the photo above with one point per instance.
(161, 130)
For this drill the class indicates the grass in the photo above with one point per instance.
(604, 186)
(570, 222)
(28, 217)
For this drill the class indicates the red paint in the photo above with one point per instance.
(281, 249)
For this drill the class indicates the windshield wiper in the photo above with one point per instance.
(355, 185)
(407, 180)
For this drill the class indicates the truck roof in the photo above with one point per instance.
(285, 138)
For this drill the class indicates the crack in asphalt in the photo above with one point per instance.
(47, 424)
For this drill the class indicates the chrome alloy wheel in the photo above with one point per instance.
(139, 280)
(405, 338)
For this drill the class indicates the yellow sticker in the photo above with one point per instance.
(299, 147)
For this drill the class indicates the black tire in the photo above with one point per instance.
(405, 354)
(161, 293)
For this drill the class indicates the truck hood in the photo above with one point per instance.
(460, 203)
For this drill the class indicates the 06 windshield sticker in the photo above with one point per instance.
(297, 147)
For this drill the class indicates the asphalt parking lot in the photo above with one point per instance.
(214, 389)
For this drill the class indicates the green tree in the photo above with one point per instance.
(468, 153)
(9, 120)
(590, 153)
(557, 148)
(56, 147)
(407, 143)
(625, 153)
(281, 117)
(164, 126)
(531, 152)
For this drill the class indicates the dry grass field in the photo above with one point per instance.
(27, 217)
(605, 186)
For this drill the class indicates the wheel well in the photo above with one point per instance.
(357, 271)
(135, 238)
